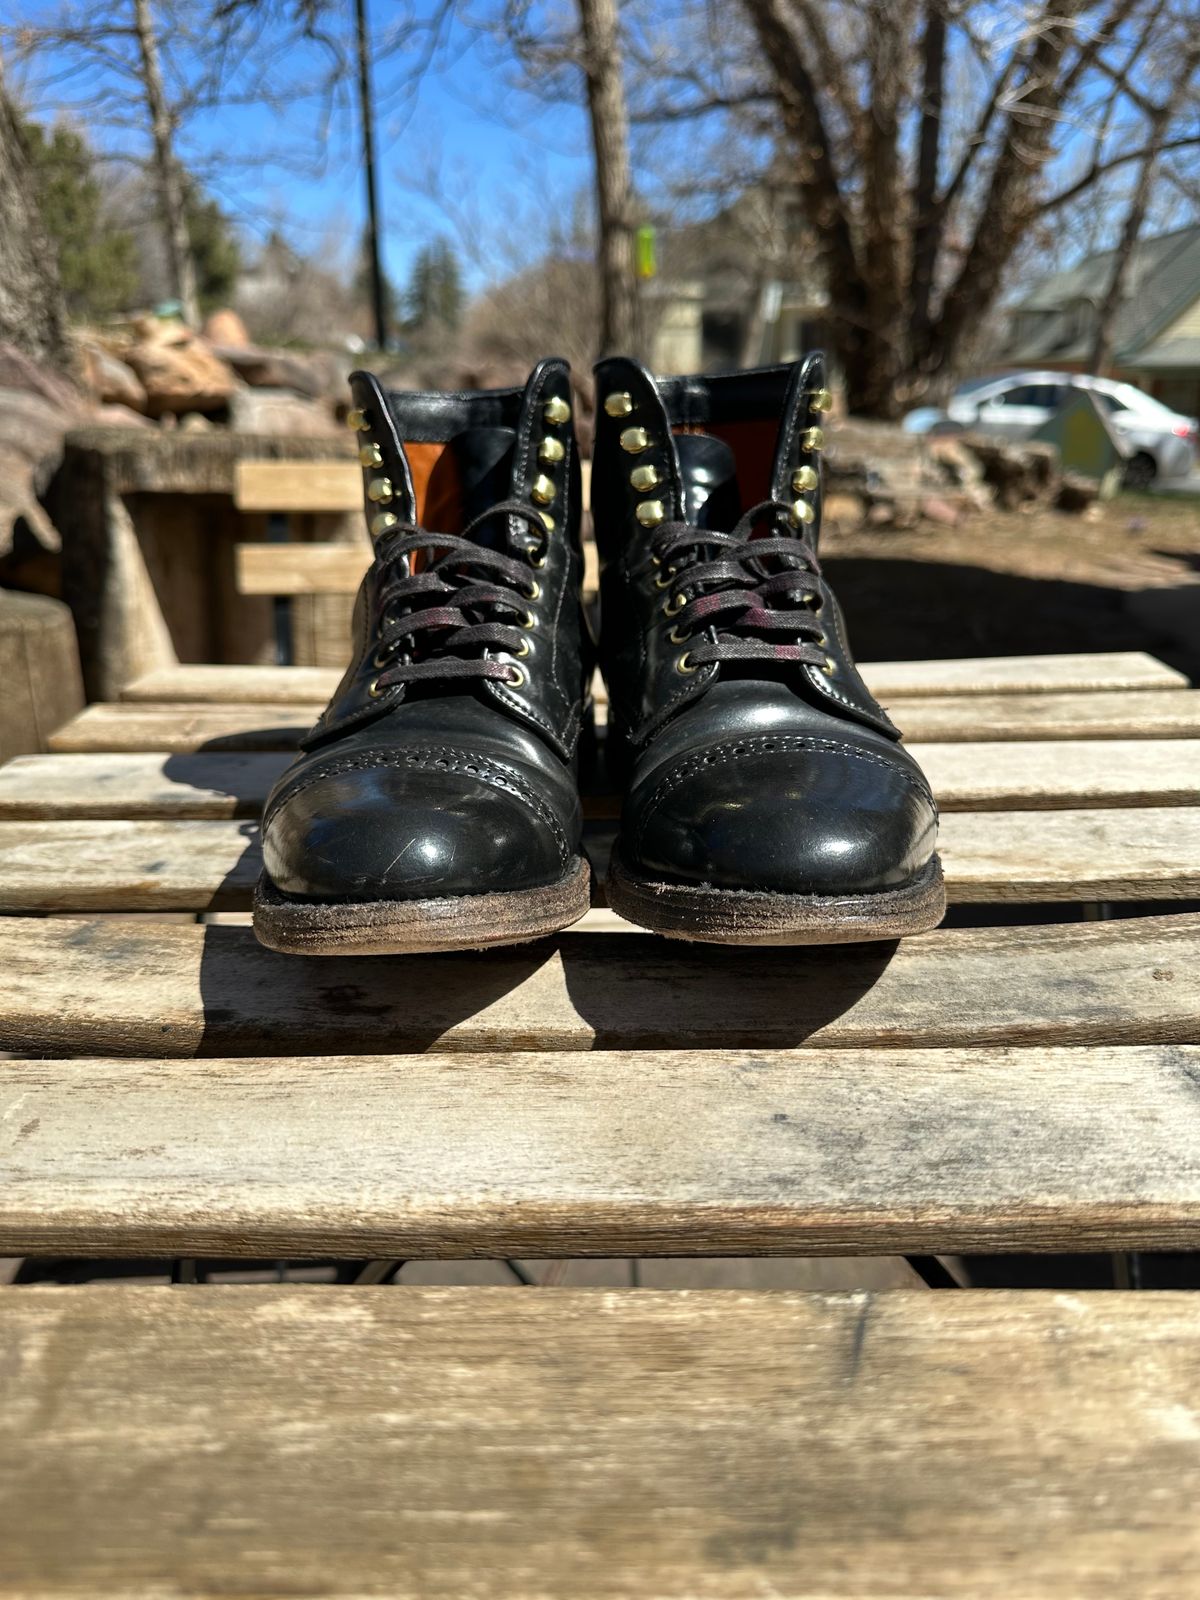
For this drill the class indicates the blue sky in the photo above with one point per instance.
(462, 133)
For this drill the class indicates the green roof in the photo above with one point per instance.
(1164, 279)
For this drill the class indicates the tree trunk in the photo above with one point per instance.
(180, 265)
(620, 330)
(1161, 119)
(32, 314)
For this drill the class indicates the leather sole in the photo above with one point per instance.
(749, 916)
(417, 927)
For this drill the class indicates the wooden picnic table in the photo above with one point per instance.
(1006, 1083)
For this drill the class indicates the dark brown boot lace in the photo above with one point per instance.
(439, 624)
(759, 595)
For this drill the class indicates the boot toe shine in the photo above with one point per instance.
(412, 832)
(789, 821)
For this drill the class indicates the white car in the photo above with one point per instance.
(1161, 443)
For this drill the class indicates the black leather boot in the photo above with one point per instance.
(767, 797)
(435, 806)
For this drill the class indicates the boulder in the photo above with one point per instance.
(313, 376)
(1017, 473)
(32, 428)
(281, 411)
(114, 416)
(109, 378)
(179, 371)
(225, 327)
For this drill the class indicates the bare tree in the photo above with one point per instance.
(137, 73)
(604, 73)
(1160, 118)
(169, 178)
(927, 141)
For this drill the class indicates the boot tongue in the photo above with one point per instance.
(482, 465)
(708, 473)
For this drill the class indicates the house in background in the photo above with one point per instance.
(738, 289)
(1157, 333)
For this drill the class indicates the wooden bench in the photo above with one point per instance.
(1003, 1084)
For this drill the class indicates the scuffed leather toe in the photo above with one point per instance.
(412, 828)
(782, 815)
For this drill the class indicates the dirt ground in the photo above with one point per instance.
(1124, 576)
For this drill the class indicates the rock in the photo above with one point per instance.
(280, 411)
(120, 417)
(19, 372)
(31, 440)
(279, 370)
(225, 327)
(1017, 473)
(1077, 492)
(193, 422)
(935, 509)
(846, 510)
(110, 379)
(179, 371)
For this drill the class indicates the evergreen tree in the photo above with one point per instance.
(214, 247)
(97, 260)
(434, 298)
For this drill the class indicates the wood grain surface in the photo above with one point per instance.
(456, 1444)
(1130, 669)
(800, 1152)
(181, 729)
(985, 718)
(241, 685)
(279, 569)
(140, 987)
(297, 486)
(1021, 856)
(1054, 775)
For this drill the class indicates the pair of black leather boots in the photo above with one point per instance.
(435, 806)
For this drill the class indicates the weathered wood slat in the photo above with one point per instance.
(297, 486)
(279, 569)
(466, 1442)
(180, 729)
(1053, 674)
(787, 1152)
(958, 719)
(1108, 714)
(79, 987)
(1038, 776)
(242, 685)
(139, 785)
(141, 865)
(1128, 670)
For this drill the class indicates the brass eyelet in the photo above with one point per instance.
(678, 638)
(682, 664)
(537, 561)
(517, 676)
(523, 650)
(821, 641)
(379, 660)
(529, 620)
(534, 592)
(672, 608)
(663, 581)
(373, 689)
(656, 561)
(830, 667)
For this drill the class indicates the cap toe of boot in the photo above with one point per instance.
(412, 832)
(807, 821)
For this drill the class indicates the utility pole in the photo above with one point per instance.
(367, 116)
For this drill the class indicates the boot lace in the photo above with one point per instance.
(758, 595)
(467, 600)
